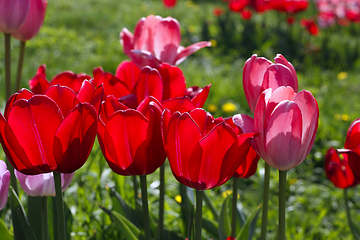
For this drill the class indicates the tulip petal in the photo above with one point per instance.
(173, 81)
(280, 59)
(39, 84)
(184, 53)
(277, 75)
(70, 79)
(13, 14)
(126, 40)
(149, 84)
(244, 122)
(75, 137)
(353, 135)
(64, 97)
(144, 32)
(21, 94)
(198, 95)
(180, 104)
(128, 73)
(283, 136)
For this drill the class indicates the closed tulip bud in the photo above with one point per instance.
(13, 14)
(33, 22)
(42, 184)
(4, 184)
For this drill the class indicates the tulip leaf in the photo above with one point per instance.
(224, 219)
(191, 225)
(5, 233)
(247, 229)
(211, 227)
(52, 215)
(129, 231)
(355, 229)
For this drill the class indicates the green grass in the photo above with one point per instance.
(80, 35)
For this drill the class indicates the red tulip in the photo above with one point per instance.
(218, 11)
(47, 133)
(130, 139)
(33, 22)
(203, 152)
(353, 143)
(156, 40)
(310, 26)
(287, 123)
(169, 3)
(260, 74)
(245, 14)
(238, 5)
(39, 84)
(338, 170)
(13, 14)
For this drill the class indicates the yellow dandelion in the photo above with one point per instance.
(213, 42)
(212, 108)
(345, 117)
(292, 181)
(178, 198)
(226, 193)
(191, 29)
(342, 76)
(229, 107)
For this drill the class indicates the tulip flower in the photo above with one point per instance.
(310, 26)
(287, 123)
(338, 170)
(156, 40)
(33, 22)
(39, 83)
(47, 133)
(352, 143)
(260, 74)
(13, 14)
(4, 184)
(211, 146)
(42, 184)
(130, 139)
(169, 3)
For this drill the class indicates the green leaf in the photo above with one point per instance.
(224, 219)
(129, 231)
(191, 227)
(355, 229)
(5, 233)
(246, 231)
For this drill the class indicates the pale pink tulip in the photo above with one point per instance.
(156, 40)
(33, 22)
(42, 184)
(260, 74)
(287, 123)
(4, 184)
(13, 14)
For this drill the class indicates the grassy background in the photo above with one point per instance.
(80, 35)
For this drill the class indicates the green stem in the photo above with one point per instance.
(265, 203)
(7, 65)
(161, 202)
(136, 189)
(145, 206)
(59, 206)
(350, 223)
(44, 220)
(234, 200)
(198, 214)
(211, 206)
(185, 206)
(20, 65)
(282, 192)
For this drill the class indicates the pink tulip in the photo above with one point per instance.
(4, 184)
(13, 14)
(42, 184)
(287, 123)
(33, 22)
(260, 74)
(156, 40)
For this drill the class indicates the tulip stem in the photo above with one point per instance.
(350, 223)
(161, 202)
(265, 203)
(59, 206)
(7, 65)
(198, 214)
(145, 206)
(234, 200)
(44, 220)
(136, 189)
(282, 192)
(20, 65)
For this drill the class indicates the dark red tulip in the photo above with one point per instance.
(130, 139)
(238, 5)
(47, 133)
(338, 170)
(203, 152)
(353, 143)
(39, 83)
(245, 14)
(310, 26)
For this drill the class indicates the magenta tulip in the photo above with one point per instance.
(4, 184)
(287, 123)
(33, 22)
(13, 14)
(260, 74)
(203, 152)
(156, 40)
(42, 184)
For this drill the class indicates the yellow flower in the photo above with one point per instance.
(212, 108)
(229, 107)
(342, 76)
(213, 42)
(178, 198)
(292, 181)
(345, 117)
(191, 29)
(226, 193)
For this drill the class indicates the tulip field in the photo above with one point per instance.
(276, 82)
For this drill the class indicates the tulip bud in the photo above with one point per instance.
(13, 14)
